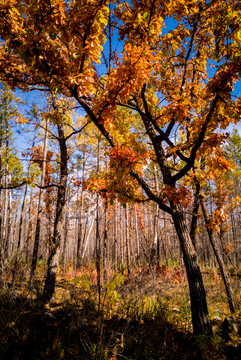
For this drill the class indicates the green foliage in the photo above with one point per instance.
(172, 261)
(83, 282)
(233, 148)
(233, 151)
(8, 108)
(14, 165)
(34, 171)
(111, 286)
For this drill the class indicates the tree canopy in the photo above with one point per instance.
(180, 81)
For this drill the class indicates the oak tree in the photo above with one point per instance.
(177, 82)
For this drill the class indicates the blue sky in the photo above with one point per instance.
(35, 96)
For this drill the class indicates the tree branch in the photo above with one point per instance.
(199, 142)
(76, 131)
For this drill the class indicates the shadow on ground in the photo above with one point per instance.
(31, 330)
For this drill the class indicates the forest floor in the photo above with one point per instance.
(142, 316)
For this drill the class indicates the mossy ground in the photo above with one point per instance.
(135, 318)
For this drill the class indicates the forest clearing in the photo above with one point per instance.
(120, 168)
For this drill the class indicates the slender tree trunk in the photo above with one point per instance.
(79, 234)
(137, 242)
(154, 249)
(8, 225)
(127, 233)
(1, 198)
(116, 237)
(40, 209)
(105, 240)
(13, 225)
(80, 227)
(86, 233)
(200, 316)
(66, 228)
(166, 240)
(1, 240)
(154, 252)
(219, 258)
(53, 260)
(97, 236)
(121, 240)
(6, 192)
(29, 227)
(21, 218)
(235, 239)
(4, 221)
(87, 238)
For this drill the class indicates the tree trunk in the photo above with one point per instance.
(97, 235)
(29, 227)
(116, 237)
(40, 206)
(1, 199)
(66, 229)
(127, 239)
(219, 258)
(87, 237)
(4, 221)
(105, 241)
(154, 252)
(8, 225)
(53, 260)
(200, 316)
(80, 227)
(6, 192)
(194, 220)
(137, 242)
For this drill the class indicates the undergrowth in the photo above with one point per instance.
(145, 315)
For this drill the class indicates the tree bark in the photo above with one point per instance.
(194, 220)
(200, 317)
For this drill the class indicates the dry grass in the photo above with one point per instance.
(142, 316)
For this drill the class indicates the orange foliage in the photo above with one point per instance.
(179, 196)
(178, 83)
(125, 158)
